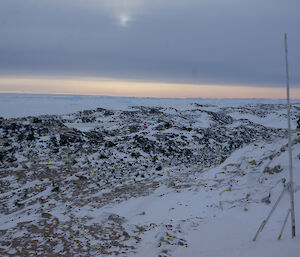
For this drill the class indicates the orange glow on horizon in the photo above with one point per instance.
(111, 87)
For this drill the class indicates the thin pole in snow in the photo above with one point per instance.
(284, 223)
(290, 138)
(264, 222)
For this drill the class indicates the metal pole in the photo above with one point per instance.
(290, 138)
(262, 225)
(284, 223)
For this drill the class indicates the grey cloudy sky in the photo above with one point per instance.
(190, 41)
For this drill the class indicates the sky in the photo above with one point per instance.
(171, 48)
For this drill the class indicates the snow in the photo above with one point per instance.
(271, 120)
(19, 105)
(229, 236)
(184, 209)
(83, 126)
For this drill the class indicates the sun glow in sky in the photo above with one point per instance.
(113, 87)
(124, 19)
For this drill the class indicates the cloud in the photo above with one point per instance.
(123, 11)
(199, 42)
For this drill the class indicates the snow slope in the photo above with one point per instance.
(147, 181)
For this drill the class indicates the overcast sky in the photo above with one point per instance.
(192, 41)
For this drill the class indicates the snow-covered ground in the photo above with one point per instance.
(20, 105)
(145, 177)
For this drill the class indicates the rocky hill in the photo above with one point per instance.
(59, 172)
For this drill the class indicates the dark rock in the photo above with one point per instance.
(53, 140)
(55, 189)
(164, 125)
(21, 137)
(158, 167)
(134, 128)
(30, 137)
(276, 169)
(36, 120)
(71, 137)
(266, 199)
(108, 113)
(2, 155)
(81, 177)
(94, 136)
(135, 154)
(87, 112)
(16, 203)
(110, 144)
(46, 215)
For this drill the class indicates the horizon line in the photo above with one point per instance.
(141, 97)
(140, 89)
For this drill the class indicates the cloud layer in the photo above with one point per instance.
(218, 42)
